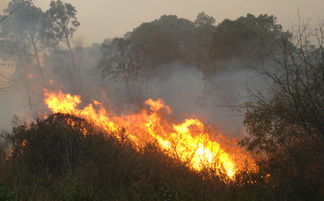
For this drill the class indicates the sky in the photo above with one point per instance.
(102, 19)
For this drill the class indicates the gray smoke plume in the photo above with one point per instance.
(184, 88)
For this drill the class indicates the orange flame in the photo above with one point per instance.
(187, 141)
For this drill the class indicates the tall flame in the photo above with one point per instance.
(188, 141)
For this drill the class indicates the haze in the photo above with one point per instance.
(102, 19)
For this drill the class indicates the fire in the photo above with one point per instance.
(188, 142)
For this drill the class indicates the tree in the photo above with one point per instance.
(59, 26)
(140, 55)
(204, 20)
(22, 28)
(60, 23)
(287, 128)
(248, 36)
(204, 30)
(20, 42)
(124, 62)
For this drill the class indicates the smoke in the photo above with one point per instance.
(11, 104)
(215, 100)
(191, 95)
(183, 87)
(13, 100)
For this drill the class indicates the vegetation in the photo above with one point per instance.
(144, 53)
(287, 127)
(200, 42)
(29, 36)
(52, 160)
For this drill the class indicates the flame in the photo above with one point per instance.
(188, 141)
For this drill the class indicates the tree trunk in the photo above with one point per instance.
(40, 69)
(27, 88)
(75, 71)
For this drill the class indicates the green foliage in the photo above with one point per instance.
(200, 42)
(72, 191)
(246, 34)
(160, 45)
(6, 194)
(147, 47)
(59, 151)
(60, 23)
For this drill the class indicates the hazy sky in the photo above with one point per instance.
(109, 18)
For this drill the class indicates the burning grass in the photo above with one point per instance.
(189, 142)
(93, 154)
(53, 159)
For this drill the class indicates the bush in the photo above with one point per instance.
(6, 194)
(52, 160)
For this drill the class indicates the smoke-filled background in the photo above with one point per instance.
(195, 80)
